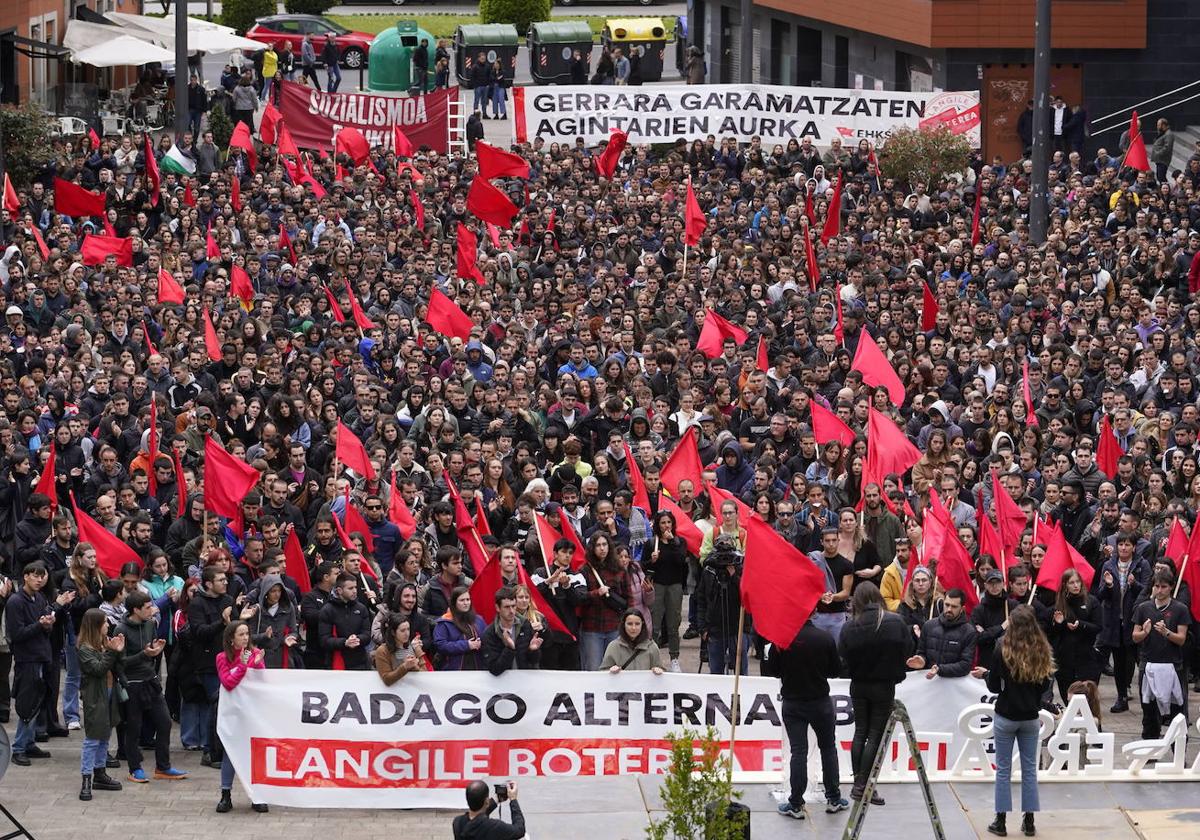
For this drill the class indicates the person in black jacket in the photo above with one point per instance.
(565, 592)
(509, 642)
(667, 566)
(33, 532)
(16, 486)
(874, 645)
(990, 615)
(1122, 581)
(719, 601)
(477, 823)
(420, 60)
(345, 627)
(1074, 626)
(207, 614)
(324, 579)
(480, 79)
(804, 669)
(947, 643)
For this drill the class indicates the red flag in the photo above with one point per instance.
(11, 203)
(547, 537)
(399, 513)
(94, 137)
(684, 526)
(348, 544)
(954, 564)
(235, 193)
(1190, 570)
(189, 197)
(606, 163)
(227, 480)
(241, 287)
(153, 178)
(876, 370)
(975, 230)
(353, 143)
(111, 552)
(356, 522)
(241, 139)
(285, 241)
(1194, 274)
(351, 452)
(169, 291)
(418, 209)
(637, 485)
(267, 127)
(152, 444)
(401, 145)
(839, 328)
(41, 243)
(109, 230)
(810, 259)
(466, 254)
(73, 200)
(828, 426)
(487, 584)
(833, 214)
(761, 360)
(891, 449)
(482, 526)
(683, 463)
(991, 544)
(334, 306)
(356, 311)
(718, 495)
(497, 163)
(490, 204)
(550, 220)
(287, 145)
(810, 212)
(714, 332)
(929, 308)
(465, 526)
(96, 247)
(873, 474)
(1135, 155)
(694, 220)
(780, 585)
(1193, 548)
(212, 251)
(405, 167)
(46, 485)
(211, 343)
(180, 484)
(1108, 449)
(1027, 392)
(447, 318)
(1010, 519)
(1177, 543)
(295, 565)
(1060, 556)
(150, 348)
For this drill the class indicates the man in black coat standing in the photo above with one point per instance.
(420, 60)
(345, 627)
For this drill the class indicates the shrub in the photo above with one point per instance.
(308, 7)
(693, 783)
(221, 126)
(241, 14)
(921, 156)
(27, 135)
(520, 13)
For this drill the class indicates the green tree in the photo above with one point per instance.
(221, 126)
(27, 133)
(692, 784)
(308, 7)
(241, 14)
(520, 13)
(920, 156)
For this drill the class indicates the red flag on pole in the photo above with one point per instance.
(287, 145)
(447, 318)
(285, 242)
(1108, 449)
(235, 194)
(497, 163)
(490, 204)
(267, 127)
(153, 178)
(833, 214)
(714, 332)
(41, 243)
(212, 344)
(241, 139)
(1177, 542)
(891, 448)
(97, 247)
(150, 348)
(568, 532)
(356, 522)
(694, 220)
(683, 463)
(11, 203)
(241, 287)
(606, 163)
(990, 542)
(351, 452)
(954, 565)
(1060, 556)
(73, 200)
(761, 360)
(189, 198)
(227, 480)
(810, 260)
(398, 511)
(839, 327)
(466, 254)
(780, 585)
(356, 311)
(1135, 155)
(488, 582)
(547, 537)
(212, 251)
(684, 526)
(1027, 393)
(975, 231)
(152, 445)
(418, 209)
(295, 565)
(401, 145)
(334, 307)
(169, 291)
(46, 481)
(180, 484)
(929, 308)
(828, 426)
(637, 485)
(1010, 519)
(465, 527)
(94, 137)
(876, 370)
(111, 553)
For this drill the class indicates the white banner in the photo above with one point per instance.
(664, 113)
(341, 739)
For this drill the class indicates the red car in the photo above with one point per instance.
(354, 46)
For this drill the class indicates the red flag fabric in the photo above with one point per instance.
(227, 480)
(490, 204)
(497, 163)
(1193, 548)
(285, 242)
(1108, 449)
(718, 495)
(235, 194)
(887, 443)
(401, 145)
(111, 553)
(547, 536)
(447, 318)
(487, 583)
(550, 220)
(465, 526)
(212, 344)
(294, 563)
(351, 452)
(356, 311)
(684, 526)
(929, 308)
(41, 243)
(271, 118)
(153, 178)
(1135, 155)
(181, 492)
(839, 326)
(152, 442)
(833, 214)
(876, 370)
(1027, 393)
(1060, 556)
(954, 564)
(96, 247)
(637, 485)
(683, 463)
(1177, 543)
(810, 260)
(212, 251)
(579, 559)
(73, 200)
(810, 212)
(356, 522)
(334, 306)
(348, 544)
(94, 137)
(241, 139)
(975, 230)
(169, 291)
(418, 209)
(714, 332)
(873, 474)
(466, 254)
(353, 143)
(482, 526)
(1010, 519)
(828, 426)
(1194, 275)
(780, 585)
(109, 230)
(241, 287)
(150, 348)
(46, 481)
(694, 220)
(287, 145)
(991, 544)
(399, 513)
(189, 198)
(606, 163)
(761, 359)
(11, 203)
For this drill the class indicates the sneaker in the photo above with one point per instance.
(787, 809)
(675, 669)
(170, 774)
(138, 776)
(74, 724)
(832, 806)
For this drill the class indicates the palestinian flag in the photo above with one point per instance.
(177, 162)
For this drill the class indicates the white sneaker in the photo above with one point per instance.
(74, 724)
(675, 669)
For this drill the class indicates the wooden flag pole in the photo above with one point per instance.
(685, 256)
(735, 706)
(1179, 580)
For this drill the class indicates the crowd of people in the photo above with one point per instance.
(579, 370)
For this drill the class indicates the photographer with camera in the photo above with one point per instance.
(719, 601)
(477, 823)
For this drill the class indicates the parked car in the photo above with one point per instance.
(355, 46)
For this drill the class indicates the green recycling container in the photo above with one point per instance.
(494, 40)
(552, 46)
(391, 58)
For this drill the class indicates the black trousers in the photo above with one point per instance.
(1124, 663)
(559, 656)
(48, 716)
(798, 716)
(146, 703)
(872, 706)
(5, 686)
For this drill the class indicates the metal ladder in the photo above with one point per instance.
(858, 813)
(456, 127)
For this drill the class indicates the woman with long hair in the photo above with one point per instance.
(401, 651)
(459, 634)
(608, 597)
(667, 567)
(853, 544)
(237, 657)
(1019, 674)
(632, 649)
(100, 658)
(85, 578)
(1074, 626)
(526, 610)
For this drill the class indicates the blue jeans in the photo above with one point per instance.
(333, 74)
(481, 98)
(25, 735)
(798, 716)
(831, 623)
(722, 653)
(266, 93)
(192, 731)
(226, 772)
(195, 118)
(93, 755)
(1025, 733)
(592, 647)
(499, 109)
(70, 700)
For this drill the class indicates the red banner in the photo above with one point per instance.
(311, 116)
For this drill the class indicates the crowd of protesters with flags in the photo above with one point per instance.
(568, 407)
